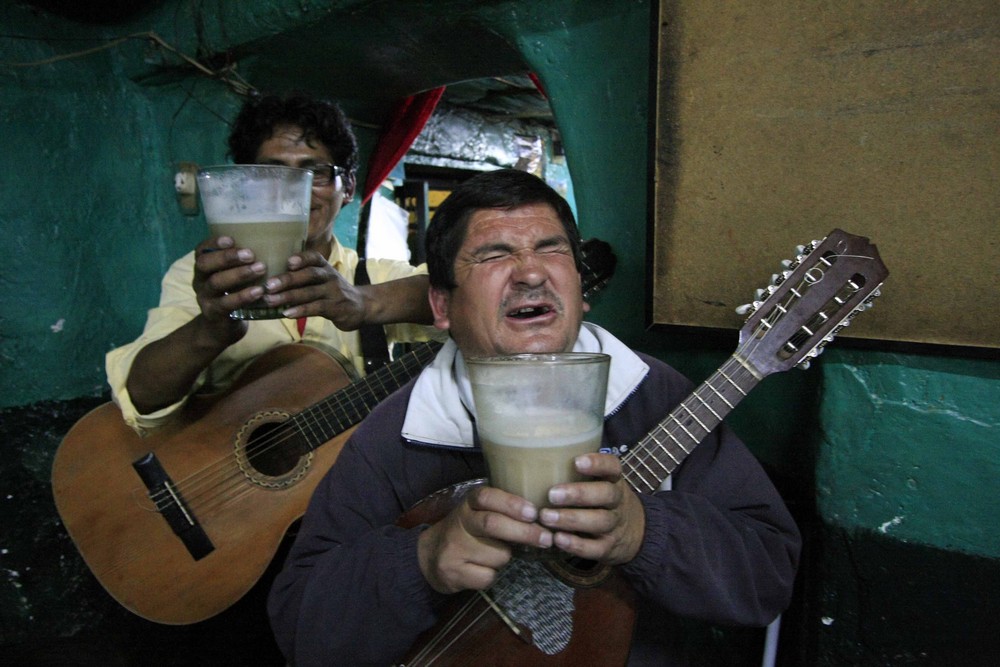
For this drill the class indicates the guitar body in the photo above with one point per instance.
(472, 633)
(602, 633)
(244, 511)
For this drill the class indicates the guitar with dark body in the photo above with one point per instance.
(820, 292)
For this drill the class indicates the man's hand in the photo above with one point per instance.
(223, 281)
(465, 550)
(599, 520)
(164, 370)
(312, 287)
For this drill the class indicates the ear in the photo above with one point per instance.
(350, 184)
(439, 300)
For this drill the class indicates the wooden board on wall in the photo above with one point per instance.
(778, 122)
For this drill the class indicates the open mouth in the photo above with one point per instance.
(528, 312)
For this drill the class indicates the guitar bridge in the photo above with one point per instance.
(504, 617)
(172, 507)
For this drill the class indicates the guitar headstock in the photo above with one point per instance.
(828, 283)
(599, 262)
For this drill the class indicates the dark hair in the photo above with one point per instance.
(502, 189)
(321, 121)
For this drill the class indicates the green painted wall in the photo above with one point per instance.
(886, 448)
(910, 448)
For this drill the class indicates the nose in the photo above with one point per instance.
(529, 269)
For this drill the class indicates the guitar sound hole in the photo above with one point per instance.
(579, 572)
(273, 449)
(581, 566)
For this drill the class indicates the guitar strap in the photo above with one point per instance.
(374, 346)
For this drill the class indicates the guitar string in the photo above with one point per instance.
(643, 454)
(224, 465)
(226, 468)
(351, 401)
(441, 642)
(499, 589)
(734, 371)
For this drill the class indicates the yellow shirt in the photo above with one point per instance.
(178, 306)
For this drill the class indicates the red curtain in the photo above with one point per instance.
(538, 84)
(407, 120)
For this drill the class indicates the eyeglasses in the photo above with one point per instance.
(323, 174)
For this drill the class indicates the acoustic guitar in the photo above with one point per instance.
(179, 525)
(816, 296)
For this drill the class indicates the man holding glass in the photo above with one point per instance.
(191, 344)
(714, 543)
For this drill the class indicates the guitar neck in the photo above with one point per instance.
(343, 409)
(665, 447)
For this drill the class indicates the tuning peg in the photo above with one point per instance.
(760, 294)
(804, 364)
(800, 250)
(745, 309)
(778, 278)
(787, 263)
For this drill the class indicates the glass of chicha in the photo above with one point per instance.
(535, 413)
(262, 207)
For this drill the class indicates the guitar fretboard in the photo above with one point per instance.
(665, 447)
(343, 409)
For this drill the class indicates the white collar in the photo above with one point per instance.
(441, 410)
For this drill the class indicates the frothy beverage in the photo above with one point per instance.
(535, 413)
(529, 465)
(272, 241)
(262, 207)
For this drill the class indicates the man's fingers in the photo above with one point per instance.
(498, 515)
(595, 522)
(602, 466)
(489, 498)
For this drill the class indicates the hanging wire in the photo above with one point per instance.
(227, 74)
